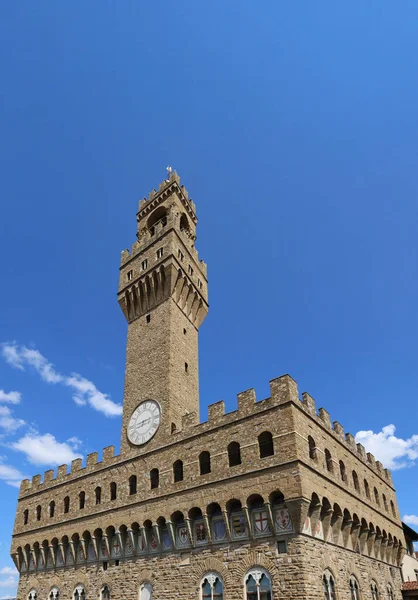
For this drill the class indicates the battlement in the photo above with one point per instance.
(165, 188)
(283, 390)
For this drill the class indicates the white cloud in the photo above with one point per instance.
(7, 421)
(8, 571)
(12, 477)
(393, 452)
(11, 397)
(11, 356)
(84, 391)
(46, 450)
(410, 519)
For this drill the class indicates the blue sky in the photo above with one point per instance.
(293, 126)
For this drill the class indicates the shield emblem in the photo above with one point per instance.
(283, 522)
(182, 536)
(80, 554)
(103, 549)
(153, 542)
(115, 546)
(166, 539)
(219, 530)
(238, 525)
(91, 553)
(201, 537)
(261, 522)
(141, 542)
(128, 545)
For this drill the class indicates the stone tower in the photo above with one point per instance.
(163, 293)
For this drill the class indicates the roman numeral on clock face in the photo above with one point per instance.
(144, 422)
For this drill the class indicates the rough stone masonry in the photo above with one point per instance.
(270, 501)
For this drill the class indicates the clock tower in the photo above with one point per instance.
(163, 293)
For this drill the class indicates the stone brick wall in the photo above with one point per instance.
(295, 575)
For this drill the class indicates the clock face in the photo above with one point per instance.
(144, 422)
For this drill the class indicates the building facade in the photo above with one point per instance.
(272, 500)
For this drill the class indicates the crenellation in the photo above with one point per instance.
(371, 459)
(48, 476)
(36, 481)
(62, 471)
(273, 471)
(216, 411)
(351, 440)
(246, 401)
(284, 389)
(108, 454)
(25, 485)
(362, 451)
(325, 417)
(189, 420)
(339, 429)
(91, 459)
(76, 465)
(309, 402)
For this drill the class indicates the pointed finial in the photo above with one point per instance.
(169, 171)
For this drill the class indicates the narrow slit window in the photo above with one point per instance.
(144, 264)
(130, 275)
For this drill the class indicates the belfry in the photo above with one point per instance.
(272, 501)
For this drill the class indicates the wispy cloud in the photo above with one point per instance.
(84, 391)
(46, 450)
(8, 571)
(13, 477)
(392, 451)
(410, 519)
(7, 422)
(10, 397)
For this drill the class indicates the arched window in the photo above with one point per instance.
(105, 593)
(392, 508)
(38, 513)
(342, 471)
(257, 585)
(51, 508)
(367, 489)
(82, 500)
(54, 594)
(354, 589)
(312, 448)
(234, 454)
(113, 490)
(132, 485)
(33, 595)
(385, 502)
(145, 591)
(356, 482)
(328, 585)
(66, 504)
(390, 592)
(154, 478)
(265, 444)
(178, 471)
(376, 496)
(375, 591)
(212, 587)
(328, 460)
(25, 517)
(204, 462)
(98, 494)
(173, 428)
(79, 593)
